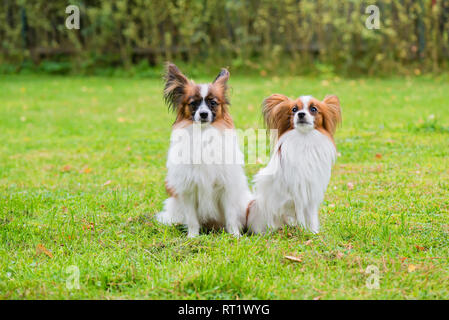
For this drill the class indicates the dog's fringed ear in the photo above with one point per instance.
(221, 83)
(175, 83)
(332, 113)
(222, 78)
(271, 108)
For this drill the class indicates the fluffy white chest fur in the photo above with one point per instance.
(292, 186)
(205, 172)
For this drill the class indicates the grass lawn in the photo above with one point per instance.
(82, 168)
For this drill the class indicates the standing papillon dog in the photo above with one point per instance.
(205, 181)
(292, 186)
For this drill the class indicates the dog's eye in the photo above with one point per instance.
(192, 105)
(213, 103)
(313, 109)
(295, 108)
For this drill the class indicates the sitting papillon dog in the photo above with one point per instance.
(292, 186)
(205, 180)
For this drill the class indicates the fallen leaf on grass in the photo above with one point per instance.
(66, 168)
(41, 249)
(378, 156)
(308, 242)
(293, 258)
(411, 268)
(420, 248)
(86, 170)
(107, 182)
(317, 298)
(350, 186)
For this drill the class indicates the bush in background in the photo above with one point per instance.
(267, 36)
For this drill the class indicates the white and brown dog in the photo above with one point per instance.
(205, 180)
(292, 186)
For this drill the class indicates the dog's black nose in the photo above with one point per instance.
(301, 115)
(203, 115)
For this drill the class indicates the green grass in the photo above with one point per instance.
(82, 168)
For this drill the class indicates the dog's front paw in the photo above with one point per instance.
(193, 233)
(234, 230)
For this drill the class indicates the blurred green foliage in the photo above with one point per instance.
(266, 36)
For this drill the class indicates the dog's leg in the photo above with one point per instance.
(259, 220)
(300, 214)
(234, 213)
(172, 213)
(312, 218)
(233, 224)
(191, 218)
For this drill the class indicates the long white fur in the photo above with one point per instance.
(209, 189)
(292, 186)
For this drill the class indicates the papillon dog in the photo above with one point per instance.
(292, 186)
(205, 181)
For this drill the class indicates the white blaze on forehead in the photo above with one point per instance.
(305, 101)
(204, 89)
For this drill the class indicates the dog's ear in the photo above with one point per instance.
(222, 78)
(271, 107)
(175, 83)
(221, 84)
(276, 113)
(221, 81)
(331, 113)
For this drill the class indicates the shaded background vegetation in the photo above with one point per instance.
(268, 36)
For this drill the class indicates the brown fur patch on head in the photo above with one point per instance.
(328, 116)
(218, 91)
(277, 113)
(185, 111)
